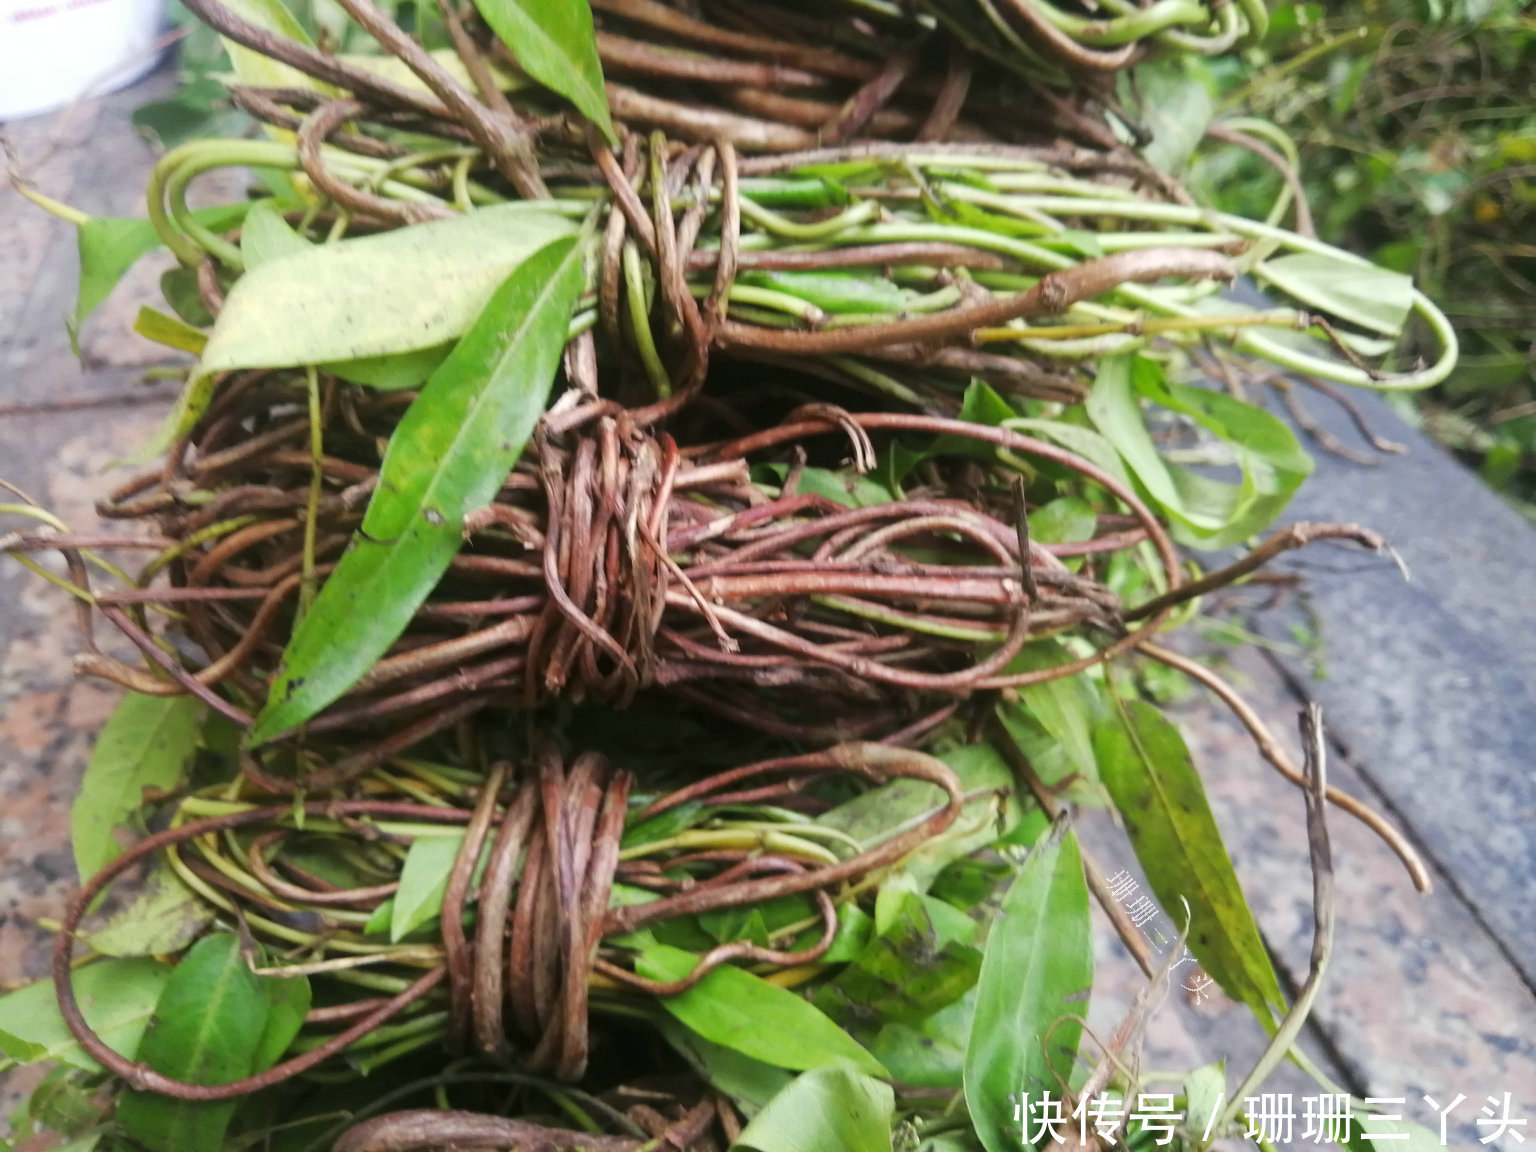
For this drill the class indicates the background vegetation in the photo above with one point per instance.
(1415, 124)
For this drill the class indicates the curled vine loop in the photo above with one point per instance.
(548, 837)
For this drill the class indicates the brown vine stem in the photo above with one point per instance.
(1303, 210)
(1357, 417)
(1314, 742)
(876, 762)
(311, 62)
(508, 143)
(475, 64)
(950, 101)
(1271, 750)
(146, 1079)
(872, 96)
(1073, 53)
(429, 1129)
(1287, 539)
(622, 54)
(455, 943)
(699, 123)
(782, 52)
(1016, 441)
(314, 131)
(1055, 292)
(1130, 936)
(1308, 423)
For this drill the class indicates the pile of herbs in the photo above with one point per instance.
(640, 576)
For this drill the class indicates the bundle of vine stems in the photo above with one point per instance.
(906, 269)
(555, 846)
(613, 561)
(818, 242)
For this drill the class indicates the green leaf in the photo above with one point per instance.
(750, 1083)
(66, 1103)
(1065, 707)
(170, 331)
(162, 919)
(423, 881)
(854, 928)
(756, 922)
(1068, 520)
(881, 813)
(266, 236)
(1076, 241)
(905, 974)
(556, 45)
(109, 247)
(1047, 756)
(145, 747)
(974, 880)
(1205, 1092)
(196, 110)
(825, 1110)
(982, 405)
(393, 372)
(179, 287)
(931, 1053)
(400, 291)
(849, 489)
(799, 191)
(745, 1013)
(118, 997)
(383, 916)
(288, 1001)
(1205, 513)
(1084, 442)
(1147, 768)
(668, 824)
(449, 455)
(1352, 290)
(1035, 975)
(207, 1029)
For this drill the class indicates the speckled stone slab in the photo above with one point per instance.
(1431, 683)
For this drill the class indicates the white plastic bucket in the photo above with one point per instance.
(56, 51)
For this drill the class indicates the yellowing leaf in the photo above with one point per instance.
(400, 291)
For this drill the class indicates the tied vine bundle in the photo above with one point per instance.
(905, 271)
(576, 891)
(765, 77)
(806, 602)
(795, 48)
